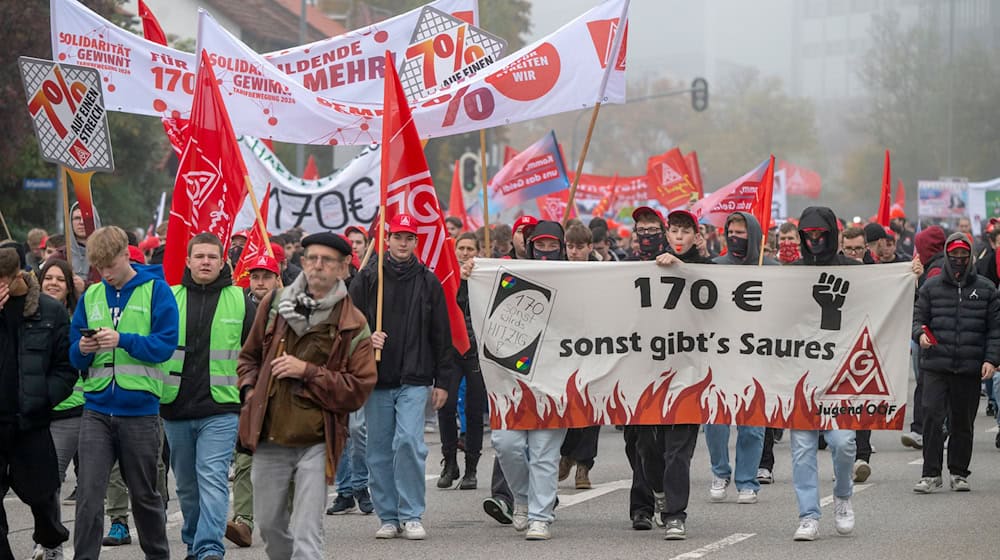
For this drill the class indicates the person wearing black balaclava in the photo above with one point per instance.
(956, 321)
(534, 480)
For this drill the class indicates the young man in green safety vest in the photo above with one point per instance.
(201, 402)
(123, 329)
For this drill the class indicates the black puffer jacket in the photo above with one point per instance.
(963, 314)
(45, 377)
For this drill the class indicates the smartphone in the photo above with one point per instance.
(88, 332)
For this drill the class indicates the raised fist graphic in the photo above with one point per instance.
(830, 293)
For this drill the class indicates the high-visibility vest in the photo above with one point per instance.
(74, 400)
(136, 318)
(224, 347)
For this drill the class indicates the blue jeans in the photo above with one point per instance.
(530, 461)
(352, 471)
(396, 452)
(200, 453)
(805, 475)
(749, 447)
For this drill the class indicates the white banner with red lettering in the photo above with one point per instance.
(145, 78)
(567, 344)
(558, 73)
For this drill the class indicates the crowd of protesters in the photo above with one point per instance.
(293, 384)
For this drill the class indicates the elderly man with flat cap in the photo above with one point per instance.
(307, 363)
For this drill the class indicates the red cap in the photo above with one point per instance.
(639, 210)
(149, 243)
(355, 229)
(242, 233)
(265, 262)
(690, 215)
(135, 255)
(896, 212)
(403, 223)
(958, 244)
(524, 221)
(46, 238)
(890, 233)
(279, 252)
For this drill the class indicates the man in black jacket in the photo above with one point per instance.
(201, 401)
(957, 323)
(35, 375)
(417, 363)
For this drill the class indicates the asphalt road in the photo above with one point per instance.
(892, 521)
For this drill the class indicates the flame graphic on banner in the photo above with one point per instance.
(700, 403)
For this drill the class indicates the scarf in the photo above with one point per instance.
(301, 311)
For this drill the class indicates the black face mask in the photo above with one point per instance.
(958, 265)
(547, 255)
(816, 246)
(651, 242)
(738, 246)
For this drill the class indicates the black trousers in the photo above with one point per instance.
(864, 440)
(499, 489)
(767, 456)
(28, 465)
(475, 407)
(664, 455)
(580, 445)
(957, 397)
(917, 426)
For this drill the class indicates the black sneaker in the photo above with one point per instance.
(998, 440)
(642, 522)
(991, 409)
(341, 505)
(117, 535)
(499, 510)
(364, 501)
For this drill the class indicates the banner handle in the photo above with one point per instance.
(4, 222)
(486, 199)
(84, 196)
(67, 223)
(579, 165)
(368, 255)
(259, 222)
(381, 280)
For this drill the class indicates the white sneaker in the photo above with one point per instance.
(861, 471)
(843, 515)
(388, 531)
(808, 529)
(746, 497)
(36, 553)
(718, 490)
(912, 439)
(765, 476)
(414, 531)
(927, 484)
(520, 517)
(538, 531)
(52, 553)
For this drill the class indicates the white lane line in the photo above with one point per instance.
(827, 500)
(598, 490)
(993, 430)
(714, 547)
(919, 461)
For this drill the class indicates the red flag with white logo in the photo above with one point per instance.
(258, 245)
(739, 196)
(800, 181)
(672, 184)
(407, 188)
(211, 178)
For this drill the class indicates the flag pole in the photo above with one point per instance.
(67, 223)
(381, 278)
(259, 222)
(4, 221)
(368, 255)
(612, 62)
(486, 198)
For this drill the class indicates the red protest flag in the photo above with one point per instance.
(406, 186)
(885, 201)
(672, 185)
(607, 202)
(765, 192)
(311, 172)
(900, 194)
(258, 245)
(801, 181)
(211, 178)
(151, 29)
(456, 201)
(694, 168)
(508, 154)
(738, 196)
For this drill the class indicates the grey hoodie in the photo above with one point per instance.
(754, 238)
(81, 265)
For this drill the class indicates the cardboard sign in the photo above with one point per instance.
(67, 109)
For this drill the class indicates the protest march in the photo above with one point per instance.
(476, 281)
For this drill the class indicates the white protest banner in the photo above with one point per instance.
(67, 110)
(558, 73)
(566, 344)
(145, 78)
(947, 198)
(349, 197)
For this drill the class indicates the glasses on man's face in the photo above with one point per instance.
(322, 260)
(854, 250)
(648, 231)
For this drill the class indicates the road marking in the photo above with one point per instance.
(993, 430)
(598, 490)
(714, 547)
(827, 500)
(919, 461)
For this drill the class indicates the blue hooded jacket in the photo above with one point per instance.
(155, 348)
